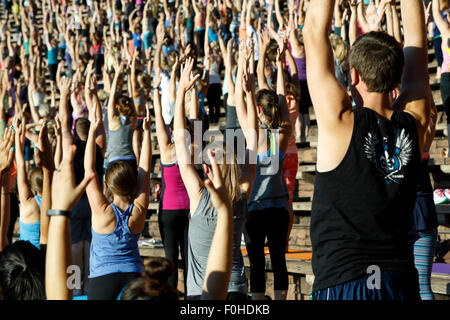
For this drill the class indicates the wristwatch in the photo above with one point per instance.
(58, 213)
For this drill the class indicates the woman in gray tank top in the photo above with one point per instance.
(268, 204)
(121, 124)
(238, 182)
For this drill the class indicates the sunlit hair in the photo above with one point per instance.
(144, 80)
(293, 90)
(44, 111)
(231, 172)
(36, 180)
(125, 106)
(339, 48)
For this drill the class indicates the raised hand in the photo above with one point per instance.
(65, 194)
(264, 39)
(43, 150)
(6, 149)
(216, 187)
(146, 124)
(64, 86)
(374, 16)
(57, 127)
(187, 80)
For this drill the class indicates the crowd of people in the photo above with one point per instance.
(84, 85)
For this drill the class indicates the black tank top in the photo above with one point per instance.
(362, 210)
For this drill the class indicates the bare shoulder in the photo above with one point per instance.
(29, 211)
(103, 219)
(334, 141)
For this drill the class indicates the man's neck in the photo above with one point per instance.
(378, 102)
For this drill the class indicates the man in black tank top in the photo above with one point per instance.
(367, 158)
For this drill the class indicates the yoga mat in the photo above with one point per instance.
(291, 254)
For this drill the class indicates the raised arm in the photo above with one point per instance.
(65, 195)
(229, 73)
(440, 22)
(362, 17)
(22, 183)
(246, 113)
(31, 89)
(396, 23)
(192, 181)
(285, 125)
(6, 159)
(164, 141)
(218, 268)
(64, 88)
(58, 149)
(415, 82)
(137, 218)
(159, 44)
(264, 40)
(334, 110)
(111, 101)
(320, 66)
(97, 200)
(278, 14)
(173, 81)
(353, 23)
(44, 159)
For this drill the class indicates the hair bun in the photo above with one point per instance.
(158, 270)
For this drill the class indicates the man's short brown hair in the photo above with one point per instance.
(379, 60)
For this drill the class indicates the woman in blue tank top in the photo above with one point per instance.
(29, 193)
(117, 221)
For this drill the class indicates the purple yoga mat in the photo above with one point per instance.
(443, 268)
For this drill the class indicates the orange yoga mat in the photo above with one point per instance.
(291, 254)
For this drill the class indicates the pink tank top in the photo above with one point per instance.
(293, 115)
(174, 195)
(446, 61)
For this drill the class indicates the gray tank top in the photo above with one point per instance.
(269, 189)
(120, 142)
(201, 231)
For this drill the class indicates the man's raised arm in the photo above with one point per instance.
(328, 107)
(415, 82)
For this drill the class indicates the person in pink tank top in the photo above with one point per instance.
(173, 213)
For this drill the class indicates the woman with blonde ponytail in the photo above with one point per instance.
(268, 205)
(204, 217)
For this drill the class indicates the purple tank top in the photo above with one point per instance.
(174, 195)
(301, 68)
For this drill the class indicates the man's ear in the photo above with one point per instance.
(355, 77)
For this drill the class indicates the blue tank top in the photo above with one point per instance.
(52, 56)
(38, 200)
(116, 252)
(31, 231)
(137, 41)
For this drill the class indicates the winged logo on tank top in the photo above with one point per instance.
(389, 159)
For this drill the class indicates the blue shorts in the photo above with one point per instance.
(392, 286)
